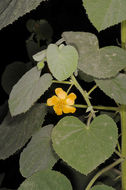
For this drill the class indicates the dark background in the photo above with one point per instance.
(65, 15)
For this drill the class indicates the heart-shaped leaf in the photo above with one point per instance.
(62, 60)
(102, 187)
(104, 14)
(115, 88)
(39, 154)
(82, 147)
(16, 131)
(46, 180)
(27, 91)
(100, 63)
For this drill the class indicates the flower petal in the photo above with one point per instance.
(60, 93)
(58, 110)
(52, 101)
(70, 99)
(68, 109)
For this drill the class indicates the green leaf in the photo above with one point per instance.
(104, 14)
(82, 147)
(15, 132)
(28, 90)
(44, 30)
(115, 88)
(11, 10)
(85, 77)
(46, 180)
(100, 63)
(12, 74)
(62, 61)
(38, 155)
(102, 187)
(40, 55)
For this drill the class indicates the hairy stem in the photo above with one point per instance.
(103, 171)
(123, 115)
(98, 107)
(84, 94)
(123, 145)
(61, 82)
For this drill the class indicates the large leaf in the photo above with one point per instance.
(102, 187)
(115, 88)
(62, 61)
(106, 13)
(100, 63)
(82, 147)
(11, 10)
(15, 132)
(38, 155)
(46, 180)
(12, 74)
(27, 91)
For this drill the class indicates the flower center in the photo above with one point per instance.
(60, 103)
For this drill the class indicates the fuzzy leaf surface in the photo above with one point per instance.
(100, 63)
(115, 87)
(82, 147)
(46, 180)
(104, 14)
(15, 132)
(63, 61)
(39, 154)
(11, 10)
(28, 90)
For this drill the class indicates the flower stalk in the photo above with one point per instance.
(84, 94)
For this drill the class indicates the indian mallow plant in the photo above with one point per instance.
(83, 146)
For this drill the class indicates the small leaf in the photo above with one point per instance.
(102, 187)
(73, 141)
(100, 63)
(104, 14)
(46, 180)
(27, 91)
(40, 65)
(38, 155)
(62, 62)
(115, 88)
(15, 132)
(40, 55)
(12, 74)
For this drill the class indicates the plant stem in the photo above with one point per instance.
(84, 93)
(123, 115)
(118, 153)
(123, 144)
(123, 34)
(103, 171)
(61, 82)
(92, 89)
(98, 107)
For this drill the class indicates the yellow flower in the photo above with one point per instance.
(62, 103)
